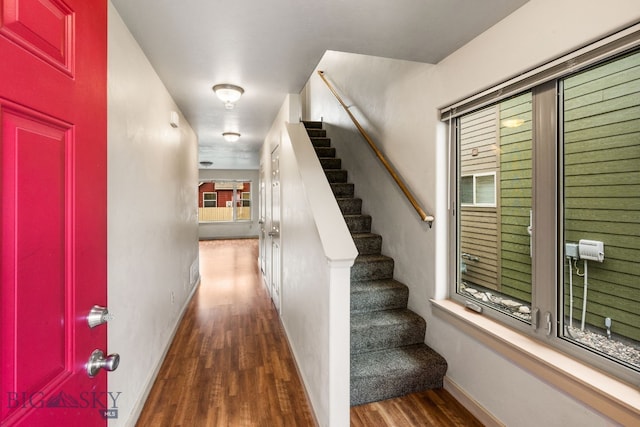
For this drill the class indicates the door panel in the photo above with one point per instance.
(45, 28)
(35, 243)
(53, 224)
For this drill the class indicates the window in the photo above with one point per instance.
(478, 190)
(495, 258)
(209, 200)
(246, 199)
(224, 201)
(547, 189)
(244, 206)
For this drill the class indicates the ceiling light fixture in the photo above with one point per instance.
(231, 136)
(512, 123)
(228, 94)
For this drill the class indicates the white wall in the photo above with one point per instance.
(232, 230)
(390, 99)
(152, 218)
(317, 253)
(398, 101)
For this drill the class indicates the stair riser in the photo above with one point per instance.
(320, 142)
(317, 133)
(379, 300)
(358, 223)
(389, 300)
(331, 163)
(372, 271)
(342, 189)
(368, 245)
(350, 206)
(336, 176)
(325, 151)
(385, 374)
(383, 388)
(388, 336)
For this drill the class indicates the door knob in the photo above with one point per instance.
(275, 231)
(98, 315)
(98, 361)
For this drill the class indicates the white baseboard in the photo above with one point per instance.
(478, 411)
(139, 406)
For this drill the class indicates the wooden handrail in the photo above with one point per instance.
(381, 157)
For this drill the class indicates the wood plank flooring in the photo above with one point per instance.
(433, 408)
(230, 365)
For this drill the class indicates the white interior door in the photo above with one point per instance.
(274, 231)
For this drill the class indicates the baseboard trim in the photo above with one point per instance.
(472, 405)
(139, 406)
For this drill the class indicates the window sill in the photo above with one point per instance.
(609, 396)
(240, 221)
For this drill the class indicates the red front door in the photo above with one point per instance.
(53, 211)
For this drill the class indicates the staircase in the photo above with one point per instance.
(388, 354)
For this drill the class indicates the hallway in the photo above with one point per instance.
(229, 364)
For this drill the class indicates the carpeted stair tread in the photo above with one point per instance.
(367, 243)
(380, 375)
(379, 330)
(376, 295)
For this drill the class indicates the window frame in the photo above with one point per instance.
(547, 206)
(204, 200)
(475, 203)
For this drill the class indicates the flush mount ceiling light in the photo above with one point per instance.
(228, 94)
(512, 123)
(231, 136)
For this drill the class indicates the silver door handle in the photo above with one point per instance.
(98, 315)
(98, 361)
(273, 234)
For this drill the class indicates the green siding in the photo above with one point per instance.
(602, 189)
(515, 198)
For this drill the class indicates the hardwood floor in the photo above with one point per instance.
(431, 408)
(230, 365)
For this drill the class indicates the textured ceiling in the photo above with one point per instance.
(270, 48)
